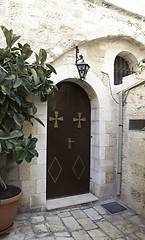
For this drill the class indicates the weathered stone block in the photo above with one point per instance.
(136, 195)
(110, 177)
(38, 201)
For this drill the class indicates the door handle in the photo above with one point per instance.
(70, 141)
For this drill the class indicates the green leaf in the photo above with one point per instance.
(51, 68)
(18, 118)
(34, 152)
(14, 38)
(2, 98)
(27, 85)
(20, 62)
(29, 158)
(25, 141)
(7, 124)
(1, 117)
(18, 162)
(9, 36)
(43, 55)
(4, 90)
(3, 135)
(2, 75)
(16, 134)
(15, 49)
(37, 57)
(22, 155)
(3, 111)
(16, 145)
(38, 120)
(28, 151)
(41, 74)
(13, 134)
(17, 82)
(9, 145)
(10, 77)
(35, 75)
(48, 73)
(18, 101)
(34, 109)
(32, 142)
(25, 50)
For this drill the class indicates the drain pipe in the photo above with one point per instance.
(119, 143)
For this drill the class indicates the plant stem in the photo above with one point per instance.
(3, 186)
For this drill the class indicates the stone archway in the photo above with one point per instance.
(100, 116)
(124, 49)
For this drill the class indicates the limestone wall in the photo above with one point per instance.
(133, 176)
(60, 26)
(136, 7)
(102, 32)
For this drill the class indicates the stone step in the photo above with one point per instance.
(70, 201)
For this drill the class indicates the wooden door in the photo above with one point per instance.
(68, 154)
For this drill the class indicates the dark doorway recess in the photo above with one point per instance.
(68, 142)
(114, 207)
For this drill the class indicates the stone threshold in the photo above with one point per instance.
(70, 201)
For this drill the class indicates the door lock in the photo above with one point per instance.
(70, 141)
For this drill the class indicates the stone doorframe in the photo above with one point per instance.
(100, 116)
(100, 140)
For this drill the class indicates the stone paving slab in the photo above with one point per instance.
(84, 222)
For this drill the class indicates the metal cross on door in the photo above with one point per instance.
(56, 119)
(79, 120)
(68, 154)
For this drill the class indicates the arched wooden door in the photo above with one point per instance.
(68, 154)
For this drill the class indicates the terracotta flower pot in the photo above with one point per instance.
(8, 210)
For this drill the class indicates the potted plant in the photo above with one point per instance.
(18, 79)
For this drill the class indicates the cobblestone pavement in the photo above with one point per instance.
(85, 222)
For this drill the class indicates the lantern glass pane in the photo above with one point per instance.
(83, 69)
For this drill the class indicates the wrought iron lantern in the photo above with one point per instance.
(81, 65)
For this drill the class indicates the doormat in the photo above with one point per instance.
(114, 207)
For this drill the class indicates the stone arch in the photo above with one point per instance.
(111, 30)
(130, 52)
(100, 115)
